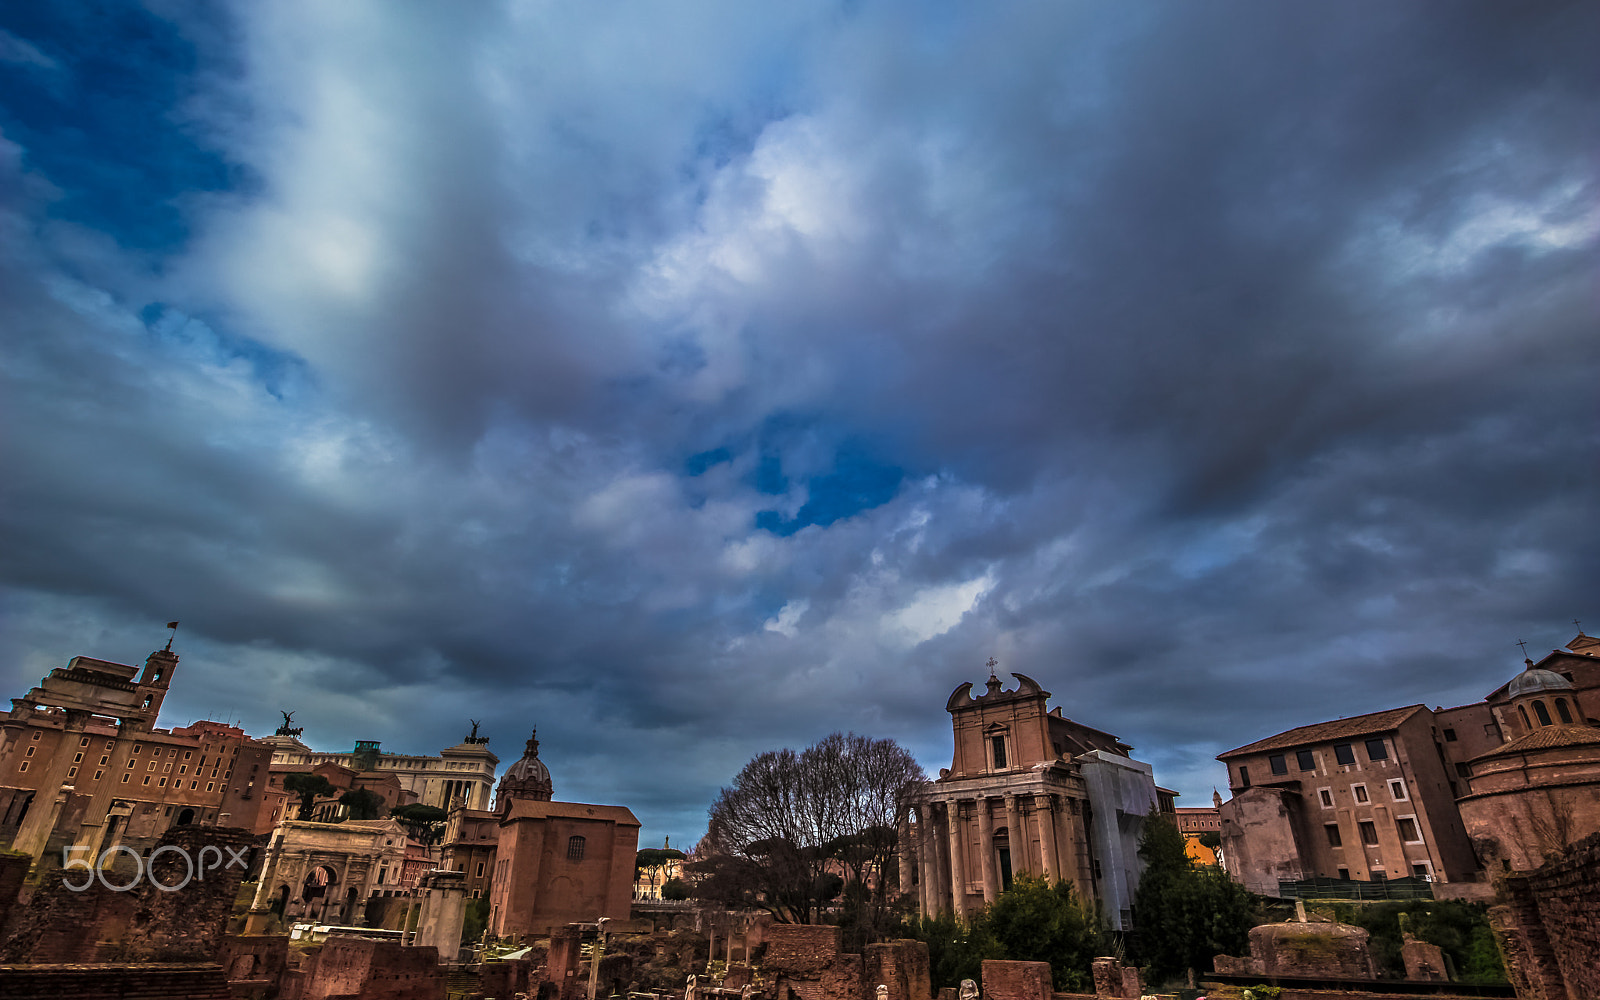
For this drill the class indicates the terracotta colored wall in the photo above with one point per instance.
(1550, 925)
(87, 982)
(373, 970)
(805, 960)
(900, 965)
(1016, 980)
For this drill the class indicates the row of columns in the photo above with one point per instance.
(942, 861)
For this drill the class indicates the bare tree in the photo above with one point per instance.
(795, 829)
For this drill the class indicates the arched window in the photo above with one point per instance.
(1542, 712)
(574, 848)
(1524, 713)
(1561, 710)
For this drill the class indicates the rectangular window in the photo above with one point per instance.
(1376, 750)
(1244, 776)
(83, 742)
(125, 778)
(193, 785)
(35, 737)
(1343, 754)
(1369, 832)
(1420, 871)
(1334, 840)
(1306, 759)
(1397, 790)
(104, 759)
(187, 754)
(23, 767)
(146, 779)
(183, 768)
(480, 869)
(1463, 770)
(77, 758)
(72, 772)
(1326, 795)
(30, 751)
(1408, 830)
(130, 765)
(574, 848)
(210, 785)
(1344, 873)
(1449, 735)
(162, 783)
(98, 774)
(1279, 765)
(999, 744)
(1359, 792)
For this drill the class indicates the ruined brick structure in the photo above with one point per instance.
(805, 962)
(1548, 925)
(1316, 949)
(1017, 981)
(373, 970)
(89, 982)
(143, 923)
(902, 966)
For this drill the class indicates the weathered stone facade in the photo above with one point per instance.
(1548, 925)
(1028, 791)
(326, 872)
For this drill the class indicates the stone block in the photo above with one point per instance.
(1016, 980)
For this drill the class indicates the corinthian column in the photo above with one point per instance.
(1047, 835)
(1017, 837)
(958, 868)
(986, 851)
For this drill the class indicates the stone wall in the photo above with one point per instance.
(1016, 980)
(114, 982)
(373, 970)
(1548, 926)
(902, 966)
(804, 962)
(142, 923)
(258, 961)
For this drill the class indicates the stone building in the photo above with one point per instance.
(82, 763)
(1195, 823)
(327, 872)
(462, 773)
(556, 862)
(1028, 791)
(1434, 793)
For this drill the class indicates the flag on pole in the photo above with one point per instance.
(172, 624)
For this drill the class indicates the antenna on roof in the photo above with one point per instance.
(174, 635)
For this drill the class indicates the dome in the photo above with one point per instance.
(527, 778)
(1534, 680)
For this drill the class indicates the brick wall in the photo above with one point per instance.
(373, 970)
(142, 923)
(114, 982)
(1016, 980)
(804, 963)
(1548, 926)
(255, 959)
(900, 965)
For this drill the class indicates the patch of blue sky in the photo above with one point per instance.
(698, 463)
(98, 110)
(279, 373)
(857, 482)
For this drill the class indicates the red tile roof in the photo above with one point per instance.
(1548, 738)
(1324, 732)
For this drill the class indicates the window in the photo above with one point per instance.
(77, 758)
(1408, 830)
(104, 759)
(1344, 873)
(72, 772)
(1397, 790)
(1561, 710)
(30, 751)
(125, 778)
(1306, 759)
(1449, 735)
(999, 744)
(1524, 713)
(23, 767)
(1542, 712)
(152, 766)
(1279, 765)
(1359, 792)
(1376, 750)
(480, 869)
(1326, 795)
(1334, 840)
(35, 737)
(1244, 776)
(187, 754)
(1343, 754)
(130, 765)
(83, 742)
(1369, 833)
(98, 775)
(147, 779)
(162, 783)
(210, 785)
(574, 848)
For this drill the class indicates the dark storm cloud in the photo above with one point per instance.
(692, 382)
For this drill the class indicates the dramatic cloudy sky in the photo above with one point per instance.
(692, 379)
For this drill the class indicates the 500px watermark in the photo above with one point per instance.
(193, 869)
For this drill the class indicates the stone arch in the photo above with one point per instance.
(317, 883)
(185, 817)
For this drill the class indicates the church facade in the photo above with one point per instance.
(1028, 792)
